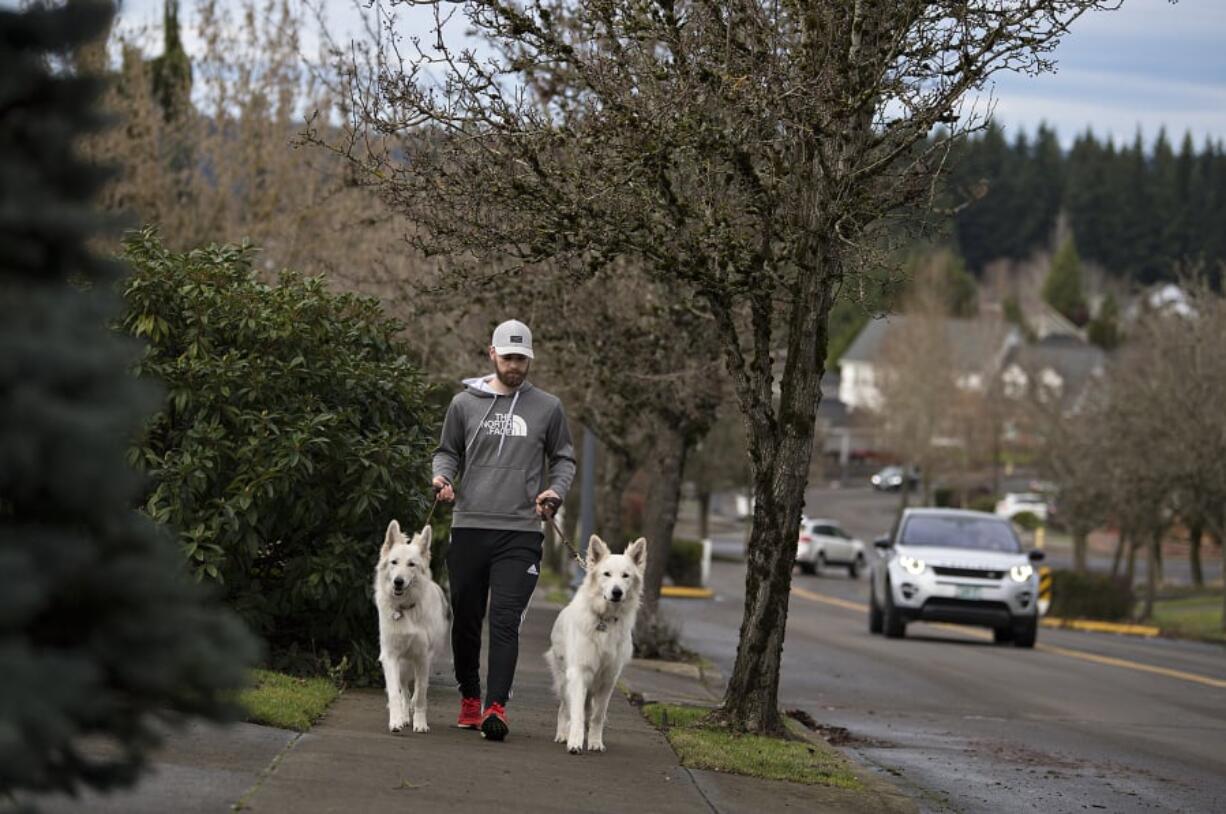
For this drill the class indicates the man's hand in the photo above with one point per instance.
(442, 487)
(547, 503)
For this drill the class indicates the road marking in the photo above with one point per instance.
(1148, 631)
(829, 600)
(1133, 665)
(683, 592)
(975, 633)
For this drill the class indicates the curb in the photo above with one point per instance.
(682, 592)
(1095, 626)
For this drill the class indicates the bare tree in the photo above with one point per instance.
(754, 151)
(205, 149)
(1160, 447)
(919, 389)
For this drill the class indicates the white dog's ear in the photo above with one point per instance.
(426, 538)
(391, 537)
(596, 551)
(637, 552)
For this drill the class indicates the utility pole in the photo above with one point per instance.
(587, 498)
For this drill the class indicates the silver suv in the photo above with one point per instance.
(950, 565)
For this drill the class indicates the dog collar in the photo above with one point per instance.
(399, 612)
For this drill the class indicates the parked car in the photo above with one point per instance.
(1014, 503)
(954, 565)
(823, 543)
(890, 478)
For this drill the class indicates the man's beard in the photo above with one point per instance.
(511, 379)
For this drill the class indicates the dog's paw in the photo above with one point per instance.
(395, 725)
(420, 725)
(574, 749)
(595, 746)
(560, 737)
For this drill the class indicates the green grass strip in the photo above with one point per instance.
(1197, 617)
(286, 701)
(698, 747)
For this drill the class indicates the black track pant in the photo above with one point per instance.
(503, 566)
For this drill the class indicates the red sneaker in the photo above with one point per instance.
(494, 725)
(470, 713)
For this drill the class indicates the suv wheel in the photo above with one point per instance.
(853, 568)
(1002, 635)
(1025, 632)
(806, 566)
(892, 623)
(819, 563)
(874, 612)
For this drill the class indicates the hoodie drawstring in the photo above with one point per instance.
(507, 427)
(481, 424)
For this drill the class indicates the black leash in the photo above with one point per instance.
(553, 504)
(550, 503)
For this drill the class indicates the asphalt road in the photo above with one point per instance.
(1083, 722)
(868, 514)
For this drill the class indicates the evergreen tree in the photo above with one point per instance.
(961, 291)
(984, 228)
(171, 72)
(1085, 199)
(1062, 288)
(101, 634)
(1104, 329)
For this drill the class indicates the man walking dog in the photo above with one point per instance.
(498, 436)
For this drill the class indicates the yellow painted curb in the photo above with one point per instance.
(1148, 631)
(680, 592)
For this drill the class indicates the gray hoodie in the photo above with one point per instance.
(498, 445)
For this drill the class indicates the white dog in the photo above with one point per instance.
(413, 624)
(591, 641)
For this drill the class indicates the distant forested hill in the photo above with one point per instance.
(1137, 212)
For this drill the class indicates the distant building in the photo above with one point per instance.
(978, 349)
(1060, 366)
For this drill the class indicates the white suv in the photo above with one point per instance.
(950, 565)
(823, 543)
(1014, 503)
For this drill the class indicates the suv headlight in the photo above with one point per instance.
(1021, 573)
(911, 565)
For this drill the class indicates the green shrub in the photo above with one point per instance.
(1027, 520)
(103, 637)
(983, 503)
(294, 429)
(685, 563)
(1090, 596)
(945, 497)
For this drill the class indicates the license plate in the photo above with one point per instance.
(968, 591)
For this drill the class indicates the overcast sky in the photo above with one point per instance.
(1147, 65)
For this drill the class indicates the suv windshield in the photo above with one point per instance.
(951, 531)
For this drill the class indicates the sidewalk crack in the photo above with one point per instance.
(702, 792)
(242, 803)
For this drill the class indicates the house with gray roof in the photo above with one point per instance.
(978, 349)
(1056, 367)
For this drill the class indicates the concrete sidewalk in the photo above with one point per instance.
(350, 763)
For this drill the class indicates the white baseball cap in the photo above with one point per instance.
(511, 337)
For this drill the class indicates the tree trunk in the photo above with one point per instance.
(660, 517)
(1159, 567)
(704, 515)
(904, 499)
(1079, 550)
(1120, 545)
(616, 473)
(1130, 569)
(1220, 539)
(1151, 574)
(1195, 532)
(780, 450)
